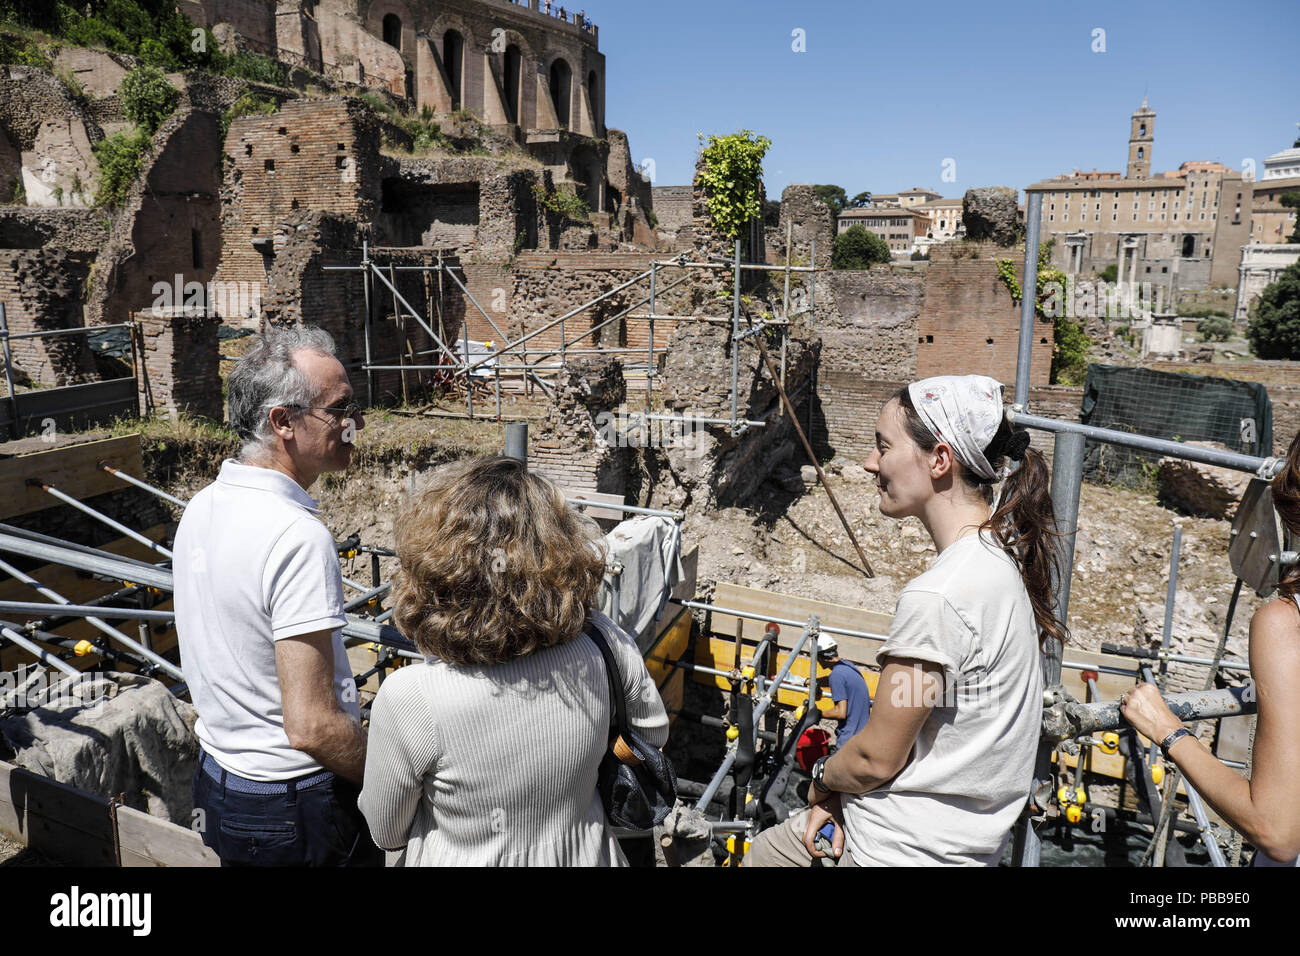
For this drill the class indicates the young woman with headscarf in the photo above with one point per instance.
(944, 767)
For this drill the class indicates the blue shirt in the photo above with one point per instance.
(847, 683)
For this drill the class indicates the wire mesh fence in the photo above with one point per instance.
(1189, 408)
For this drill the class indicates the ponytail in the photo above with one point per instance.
(1024, 522)
(1025, 525)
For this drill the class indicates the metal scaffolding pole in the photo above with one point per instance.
(811, 628)
(100, 517)
(40, 653)
(121, 569)
(1263, 467)
(118, 473)
(1074, 719)
(1028, 298)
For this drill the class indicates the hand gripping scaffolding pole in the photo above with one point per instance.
(811, 629)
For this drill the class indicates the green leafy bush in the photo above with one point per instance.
(733, 168)
(856, 248)
(147, 97)
(120, 158)
(21, 51)
(1274, 330)
(1110, 273)
(250, 66)
(1214, 329)
(563, 203)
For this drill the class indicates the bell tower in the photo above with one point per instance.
(1140, 140)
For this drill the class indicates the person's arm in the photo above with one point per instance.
(877, 752)
(313, 720)
(837, 711)
(1264, 807)
(880, 750)
(402, 751)
(645, 708)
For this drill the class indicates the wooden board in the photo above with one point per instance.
(859, 650)
(145, 840)
(671, 646)
(58, 821)
(73, 469)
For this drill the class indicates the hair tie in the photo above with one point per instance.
(1018, 445)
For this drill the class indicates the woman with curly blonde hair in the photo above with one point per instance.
(487, 753)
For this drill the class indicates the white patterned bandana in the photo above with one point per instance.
(964, 412)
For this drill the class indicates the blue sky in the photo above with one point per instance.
(1011, 91)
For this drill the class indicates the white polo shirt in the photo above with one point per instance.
(254, 565)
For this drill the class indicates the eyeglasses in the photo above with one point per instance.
(351, 410)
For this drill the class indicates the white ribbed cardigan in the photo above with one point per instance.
(496, 766)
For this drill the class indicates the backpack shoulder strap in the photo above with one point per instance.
(612, 672)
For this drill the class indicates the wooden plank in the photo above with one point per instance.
(58, 821)
(73, 469)
(599, 497)
(671, 645)
(145, 840)
(859, 650)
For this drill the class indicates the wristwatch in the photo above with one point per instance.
(1170, 740)
(818, 769)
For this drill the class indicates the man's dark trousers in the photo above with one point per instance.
(313, 822)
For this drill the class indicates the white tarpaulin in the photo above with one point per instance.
(649, 549)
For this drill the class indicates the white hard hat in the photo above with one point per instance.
(826, 644)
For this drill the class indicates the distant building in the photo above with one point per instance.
(945, 218)
(1180, 230)
(1270, 220)
(898, 226)
(1260, 267)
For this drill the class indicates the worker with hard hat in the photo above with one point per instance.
(848, 690)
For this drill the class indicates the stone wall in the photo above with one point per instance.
(969, 323)
(168, 232)
(570, 447)
(179, 374)
(313, 155)
(28, 227)
(672, 207)
(716, 468)
(45, 138)
(810, 219)
(41, 290)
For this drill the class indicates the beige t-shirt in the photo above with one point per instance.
(972, 765)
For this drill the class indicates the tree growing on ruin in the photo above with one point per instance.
(856, 248)
(833, 196)
(147, 97)
(1274, 331)
(731, 178)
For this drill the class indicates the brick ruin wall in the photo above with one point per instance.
(45, 258)
(969, 323)
(167, 234)
(319, 156)
(179, 373)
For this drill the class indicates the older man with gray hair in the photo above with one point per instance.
(259, 608)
